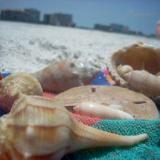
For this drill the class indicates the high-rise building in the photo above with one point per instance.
(27, 15)
(33, 15)
(112, 28)
(158, 29)
(46, 18)
(58, 19)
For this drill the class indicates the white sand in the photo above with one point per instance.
(30, 47)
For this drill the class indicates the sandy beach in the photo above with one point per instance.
(30, 47)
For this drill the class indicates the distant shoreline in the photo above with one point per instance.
(85, 28)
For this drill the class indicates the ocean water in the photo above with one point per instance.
(30, 47)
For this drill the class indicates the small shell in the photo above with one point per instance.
(14, 85)
(123, 69)
(102, 111)
(144, 82)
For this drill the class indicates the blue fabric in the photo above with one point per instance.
(5, 74)
(1, 112)
(100, 79)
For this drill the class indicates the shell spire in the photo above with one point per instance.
(136, 79)
(92, 137)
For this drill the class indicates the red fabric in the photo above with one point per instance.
(86, 119)
(1, 77)
(82, 118)
(49, 95)
(108, 76)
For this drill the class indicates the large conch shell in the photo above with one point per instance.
(63, 75)
(136, 104)
(139, 57)
(36, 129)
(15, 84)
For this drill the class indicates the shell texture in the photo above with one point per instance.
(63, 75)
(124, 69)
(136, 104)
(139, 56)
(14, 85)
(35, 129)
(98, 110)
(144, 82)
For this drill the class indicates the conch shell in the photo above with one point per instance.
(139, 56)
(35, 129)
(143, 81)
(63, 75)
(12, 86)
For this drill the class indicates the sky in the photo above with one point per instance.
(139, 15)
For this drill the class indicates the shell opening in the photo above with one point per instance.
(139, 57)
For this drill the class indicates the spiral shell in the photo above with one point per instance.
(63, 75)
(14, 85)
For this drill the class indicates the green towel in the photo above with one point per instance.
(148, 150)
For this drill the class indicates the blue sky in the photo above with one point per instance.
(140, 15)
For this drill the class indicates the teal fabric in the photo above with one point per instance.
(148, 150)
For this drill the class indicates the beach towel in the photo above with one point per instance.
(148, 150)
